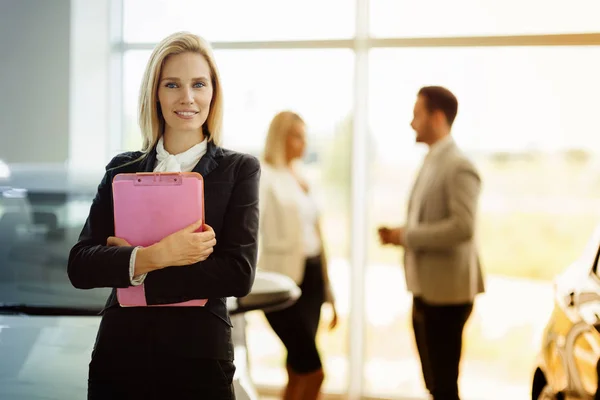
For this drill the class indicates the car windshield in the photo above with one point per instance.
(42, 211)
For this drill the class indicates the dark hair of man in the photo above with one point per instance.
(438, 98)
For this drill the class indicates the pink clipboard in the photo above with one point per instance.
(150, 206)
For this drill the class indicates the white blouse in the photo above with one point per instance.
(309, 215)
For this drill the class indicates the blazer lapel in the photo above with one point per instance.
(432, 165)
(147, 164)
(209, 161)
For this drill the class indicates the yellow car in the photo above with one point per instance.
(567, 366)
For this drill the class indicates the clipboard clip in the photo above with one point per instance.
(158, 179)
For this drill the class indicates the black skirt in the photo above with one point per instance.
(132, 359)
(297, 325)
(131, 377)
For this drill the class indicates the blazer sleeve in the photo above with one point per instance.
(91, 263)
(230, 270)
(463, 187)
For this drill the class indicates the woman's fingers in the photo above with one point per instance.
(115, 241)
(206, 238)
(193, 227)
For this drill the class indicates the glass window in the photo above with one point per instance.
(318, 85)
(527, 118)
(431, 18)
(239, 20)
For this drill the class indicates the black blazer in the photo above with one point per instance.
(231, 187)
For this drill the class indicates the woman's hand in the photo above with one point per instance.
(185, 247)
(115, 241)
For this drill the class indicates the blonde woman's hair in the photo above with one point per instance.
(275, 152)
(151, 120)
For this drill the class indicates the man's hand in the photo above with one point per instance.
(394, 236)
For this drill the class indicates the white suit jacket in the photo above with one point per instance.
(281, 243)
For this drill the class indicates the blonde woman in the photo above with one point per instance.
(173, 352)
(291, 244)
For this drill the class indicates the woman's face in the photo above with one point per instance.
(185, 92)
(296, 141)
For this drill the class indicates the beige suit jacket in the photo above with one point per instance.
(441, 257)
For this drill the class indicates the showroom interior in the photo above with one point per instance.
(526, 77)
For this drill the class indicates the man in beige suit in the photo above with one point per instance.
(440, 254)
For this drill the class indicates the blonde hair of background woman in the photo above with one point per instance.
(274, 153)
(151, 121)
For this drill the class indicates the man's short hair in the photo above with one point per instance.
(438, 98)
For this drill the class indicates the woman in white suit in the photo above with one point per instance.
(291, 243)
